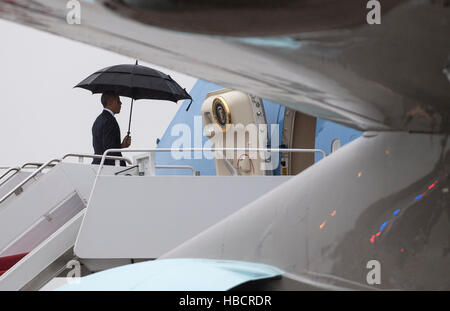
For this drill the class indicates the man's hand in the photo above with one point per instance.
(126, 142)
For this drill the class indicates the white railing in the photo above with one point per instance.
(23, 182)
(152, 150)
(106, 157)
(81, 157)
(18, 169)
(12, 169)
(181, 167)
(51, 163)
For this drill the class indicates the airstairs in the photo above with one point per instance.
(40, 216)
(105, 216)
(150, 215)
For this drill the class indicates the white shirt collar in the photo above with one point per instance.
(112, 113)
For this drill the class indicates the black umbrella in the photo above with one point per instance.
(134, 81)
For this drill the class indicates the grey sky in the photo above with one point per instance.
(43, 116)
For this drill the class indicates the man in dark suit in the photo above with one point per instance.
(106, 131)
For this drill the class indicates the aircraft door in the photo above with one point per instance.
(234, 119)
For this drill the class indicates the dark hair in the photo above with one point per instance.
(106, 97)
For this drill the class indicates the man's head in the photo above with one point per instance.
(111, 101)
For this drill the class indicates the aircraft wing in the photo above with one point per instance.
(318, 57)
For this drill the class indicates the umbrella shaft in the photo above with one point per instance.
(129, 121)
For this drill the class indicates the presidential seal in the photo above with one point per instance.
(221, 112)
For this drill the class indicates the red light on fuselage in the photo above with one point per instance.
(432, 185)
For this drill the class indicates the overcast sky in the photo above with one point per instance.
(43, 117)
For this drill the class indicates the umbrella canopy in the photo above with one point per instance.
(135, 81)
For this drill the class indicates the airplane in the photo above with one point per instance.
(377, 202)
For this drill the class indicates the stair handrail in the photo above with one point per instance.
(181, 167)
(35, 164)
(16, 169)
(21, 184)
(270, 150)
(95, 156)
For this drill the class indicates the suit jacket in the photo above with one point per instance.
(106, 135)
